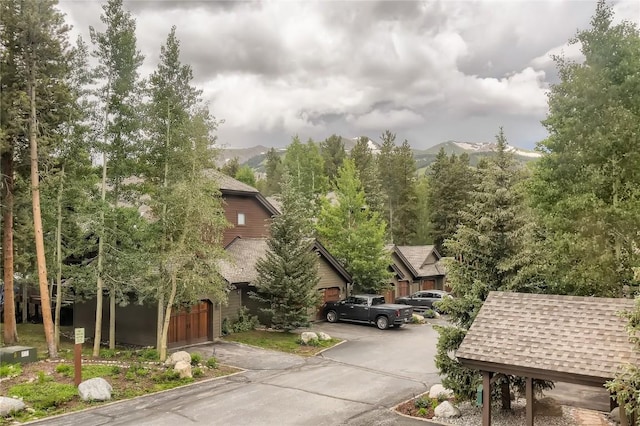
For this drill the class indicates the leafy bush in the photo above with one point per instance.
(136, 371)
(107, 353)
(10, 370)
(167, 376)
(423, 412)
(44, 395)
(212, 362)
(115, 370)
(92, 371)
(422, 402)
(149, 354)
(312, 342)
(197, 372)
(245, 321)
(196, 358)
(429, 313)
(64, 369)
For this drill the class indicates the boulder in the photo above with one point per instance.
(183, 368)
(176, 357)
(10, 405)
(418, 318)
(446, 410)
(308, 336)
(97, 389)
(614, 414)
(547, 406)
(438, 391)
(323, 336)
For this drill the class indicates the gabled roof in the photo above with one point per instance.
(231, 186)
(565, 338)
(243, 253)
(415, 258)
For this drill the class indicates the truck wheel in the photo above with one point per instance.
(382, 322)
(332, 316)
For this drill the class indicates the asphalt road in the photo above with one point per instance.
(354, 383)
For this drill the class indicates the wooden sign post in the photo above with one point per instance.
(77, 355)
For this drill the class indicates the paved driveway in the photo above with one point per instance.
(354, 383)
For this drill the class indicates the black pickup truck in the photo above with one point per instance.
(368, 308)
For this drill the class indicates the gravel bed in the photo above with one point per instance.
(472, 416)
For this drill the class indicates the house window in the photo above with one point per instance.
(240, 219)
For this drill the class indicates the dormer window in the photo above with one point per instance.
(240, 219)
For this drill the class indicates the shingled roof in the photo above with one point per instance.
(565, 338)
(415, 258)
(243, 253)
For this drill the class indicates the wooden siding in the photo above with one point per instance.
(395, 281)
(190, 326)
(330, 278)
(230, 311)
(256, 217)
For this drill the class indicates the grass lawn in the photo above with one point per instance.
(33, 335)
(280, 341)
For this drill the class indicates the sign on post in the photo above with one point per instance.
(79, 334)
(77, 355)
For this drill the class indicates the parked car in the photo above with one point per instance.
(369, 309)
(423, 300)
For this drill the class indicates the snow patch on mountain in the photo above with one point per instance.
(485, 146)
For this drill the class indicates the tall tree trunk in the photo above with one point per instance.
(167, 315)
(103, 196)
(99, 284)
(59, 261)
(112, 292)
(37, 221)
(10, 330)
(165, 183)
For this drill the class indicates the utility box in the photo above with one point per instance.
(18, 354)
(479, 396)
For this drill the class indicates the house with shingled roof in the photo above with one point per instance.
(570, 339)
(239, 270)
(415, 268)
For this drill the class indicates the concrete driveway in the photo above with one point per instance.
(355, 383)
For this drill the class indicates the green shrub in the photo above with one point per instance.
(167, 376)
(150, 354)
(44, 395)
(43, 377)
(312, 342)
(64, 369)
(422, 402)
(197, 372)
(96, 370)
(245, 321)
(10, 370)
(429, 313)
(212, 362)
(196, 358)
(115, 370)
(107, 353)
(423, 412)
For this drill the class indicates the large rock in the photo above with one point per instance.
(10, 405)
(446, 410)
(308, 336)
(547, 407)
(614, 414)
(97, 389)
(438, 392)
(418, 318)
(323, 336)
(176, 357)
(183, 368)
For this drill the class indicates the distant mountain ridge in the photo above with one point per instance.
(255, 156)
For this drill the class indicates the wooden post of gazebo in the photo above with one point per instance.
(529, 397)
(486, 398)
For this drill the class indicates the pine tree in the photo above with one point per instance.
(404, 227)
(118, 63)
(36, 54)
(306, 166)
(367, 168)
(585, 188)
(274, 169)
(355, 234)
(288, 274)
(482, 246)
(333, 153)
(450, 182)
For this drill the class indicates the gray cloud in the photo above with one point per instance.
(429, 71)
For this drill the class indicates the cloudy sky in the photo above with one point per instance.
(428, 71)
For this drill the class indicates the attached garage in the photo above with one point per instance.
(191, 326)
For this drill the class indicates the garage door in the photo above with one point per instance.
(428, 285)
(331, 294)
(190, 326)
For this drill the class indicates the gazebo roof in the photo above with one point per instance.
(564, 338)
